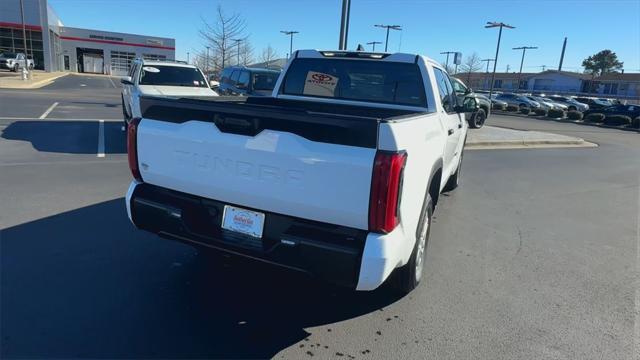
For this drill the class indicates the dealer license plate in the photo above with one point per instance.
(243, 221)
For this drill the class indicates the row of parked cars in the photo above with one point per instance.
(585, 105)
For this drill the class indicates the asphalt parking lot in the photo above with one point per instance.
(535, 256)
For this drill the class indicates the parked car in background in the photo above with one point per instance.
(495, 103)
(244, 81)
(520, 101)
(632, 111)
(477, 118)
(160, 78)
(570, 102)
(336, 174)
(594, 103)
(548, 104)
(15, 61)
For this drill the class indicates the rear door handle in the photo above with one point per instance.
(459, 126)
(450, 132)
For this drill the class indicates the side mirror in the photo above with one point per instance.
(468, 105)
(468, 91)
(126, 80)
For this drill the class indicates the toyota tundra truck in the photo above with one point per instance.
(337, 174)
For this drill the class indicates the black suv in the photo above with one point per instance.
(244, 81)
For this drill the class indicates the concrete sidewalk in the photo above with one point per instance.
(490, 137)
(39, 79)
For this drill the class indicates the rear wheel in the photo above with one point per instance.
(572, 108)
(477, 120)
(408, 277)
(16, 67)
(30, 66)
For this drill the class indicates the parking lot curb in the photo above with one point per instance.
(33, 85)
(565, 120)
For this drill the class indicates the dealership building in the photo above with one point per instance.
(55, 47)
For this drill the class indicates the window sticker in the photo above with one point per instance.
(320, 84)
(151, 69)
(196, 82)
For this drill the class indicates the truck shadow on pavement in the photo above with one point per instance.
(71, 137)
(85, 283)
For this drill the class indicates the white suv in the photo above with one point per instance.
(160, 78)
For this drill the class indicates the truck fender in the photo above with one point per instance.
(435, 182)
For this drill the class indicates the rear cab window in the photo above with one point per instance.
(356, 80)
(163, 75)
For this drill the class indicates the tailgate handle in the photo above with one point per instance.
(450, 132)
(237, 125)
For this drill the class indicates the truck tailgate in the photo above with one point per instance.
(273, 170)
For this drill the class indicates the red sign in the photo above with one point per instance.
(321, 77)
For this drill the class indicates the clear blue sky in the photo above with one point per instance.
(430, 27)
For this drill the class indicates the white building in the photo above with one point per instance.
(55, 47)
(618, 85)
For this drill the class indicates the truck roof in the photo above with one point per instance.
(347, 54)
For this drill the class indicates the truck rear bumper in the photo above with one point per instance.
(341, 255)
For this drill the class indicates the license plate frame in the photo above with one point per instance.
(243, 221)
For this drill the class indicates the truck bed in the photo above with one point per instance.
(315, 121)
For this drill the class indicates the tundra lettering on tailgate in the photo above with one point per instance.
(242, 169)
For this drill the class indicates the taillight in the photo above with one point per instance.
(386, 185)
(132, 148)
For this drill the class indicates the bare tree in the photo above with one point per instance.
(246, 53)
(268, 55)
(471, 64)
(218, 35)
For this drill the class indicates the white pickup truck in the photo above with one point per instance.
(337, 174)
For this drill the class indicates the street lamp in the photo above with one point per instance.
(388, 27)
(187, 57)
(495, 61)
(374, 45)
(524, 50)
(238, 43)
(344, 24)
(487, 61)
(290, 33)
(24, 42)
(446, 66)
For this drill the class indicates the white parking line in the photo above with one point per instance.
(50, 109)
(100, 139)
(112, 83)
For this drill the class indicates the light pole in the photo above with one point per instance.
(24, 40)
(487, 61)
(524, 50)
(344, 24)
(388, 27)
(495, 61)
(374, 45)
(290, 33)
(238, 43)
(446, 66)
(187, 57)
(207, 61)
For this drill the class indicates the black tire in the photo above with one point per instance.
(30, 66)
(454, 180)
(572, 108)
(521, 106)
(477, 120)
(408, 277)
(16, 67)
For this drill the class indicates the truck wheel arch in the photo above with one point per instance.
(435, 180)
